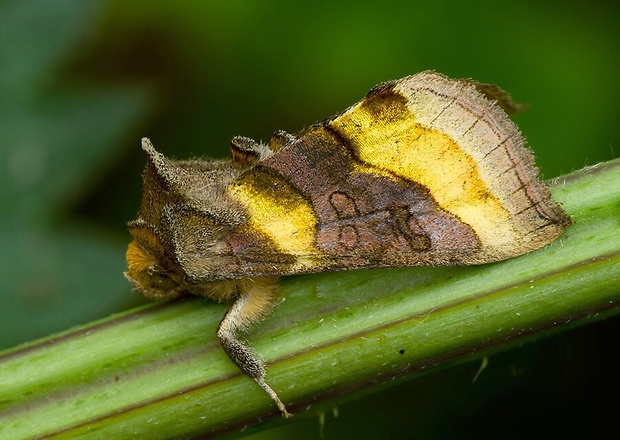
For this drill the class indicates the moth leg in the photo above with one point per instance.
(251, 305)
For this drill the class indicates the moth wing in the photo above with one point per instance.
(451, 138)
(423, 171)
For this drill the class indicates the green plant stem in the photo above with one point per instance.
(158, 371)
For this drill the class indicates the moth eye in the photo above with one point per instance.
(162, 281)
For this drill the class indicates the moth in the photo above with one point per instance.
(424, 170)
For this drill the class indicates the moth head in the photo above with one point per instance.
(145, 268)
(183, 221)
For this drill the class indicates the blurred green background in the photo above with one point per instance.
(82, 82)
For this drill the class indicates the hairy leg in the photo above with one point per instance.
(256, 299)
